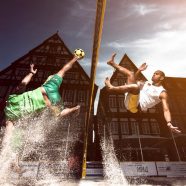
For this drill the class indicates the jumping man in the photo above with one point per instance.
(142, 94)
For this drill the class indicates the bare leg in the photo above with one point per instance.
(132, 88)
(8, 132)
(67, 67)
(7, 146)
(67, 111)
(130, 74)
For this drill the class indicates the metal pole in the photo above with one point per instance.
(67, 142)
(100, 11)
(177, 152)
(139, 139)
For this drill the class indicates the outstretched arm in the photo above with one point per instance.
(167, 114)
(28, 77)
(67, 66)
(140, 69)
(22, 86)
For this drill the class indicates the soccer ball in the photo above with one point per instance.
(79, 53)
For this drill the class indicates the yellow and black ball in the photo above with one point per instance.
(79, 53)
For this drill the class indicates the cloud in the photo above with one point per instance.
(165, 51)
(156, 41)
(84, 32)
(143, 9)
(85, 6)
(81, 8)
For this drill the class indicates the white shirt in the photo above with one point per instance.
(149, 95)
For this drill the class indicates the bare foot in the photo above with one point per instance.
(75, 108)
(111, 61)
(67, 111)
(174, 129)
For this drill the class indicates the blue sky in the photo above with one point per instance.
(147, 30)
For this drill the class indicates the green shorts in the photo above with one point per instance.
(51, 87)
(18, 106)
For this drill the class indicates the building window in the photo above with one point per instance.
(114, 127)
(69, 95)
(81, 96)
(184, 152)
(58, 60)
(3, 90)
(115, 83)
(182, 104)
(124, 126)
(121, 101)
(47, 47)
(145, 126)
(180, 85)
(181, 124)
(70, 75)
(20, 72)
(154, 126)
(59, 49)
(174, 104)
(134, 124)
(121, 81)
(112, 101)
(152, 110)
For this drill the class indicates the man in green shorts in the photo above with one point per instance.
(21, 104)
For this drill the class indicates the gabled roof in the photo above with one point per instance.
(54, 37)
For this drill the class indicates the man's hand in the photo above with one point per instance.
(143, 67)
(107, 83)
(32, 69)
(77, 58)
(173, 129)
(111, 61)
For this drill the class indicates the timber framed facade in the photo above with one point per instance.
(49, 57)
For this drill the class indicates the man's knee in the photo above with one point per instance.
(133, 88)
(131, 74)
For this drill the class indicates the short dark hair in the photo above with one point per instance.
(162, 73)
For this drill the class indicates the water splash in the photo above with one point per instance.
(112, 171)
(45, 147)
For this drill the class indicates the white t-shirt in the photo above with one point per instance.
(149, 95)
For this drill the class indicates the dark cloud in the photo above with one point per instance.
(136, 26)
(25, 24)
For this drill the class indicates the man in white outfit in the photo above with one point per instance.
(142, 94)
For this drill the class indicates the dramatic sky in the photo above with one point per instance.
(153, 31)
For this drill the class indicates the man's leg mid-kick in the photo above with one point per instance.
(130, 75)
